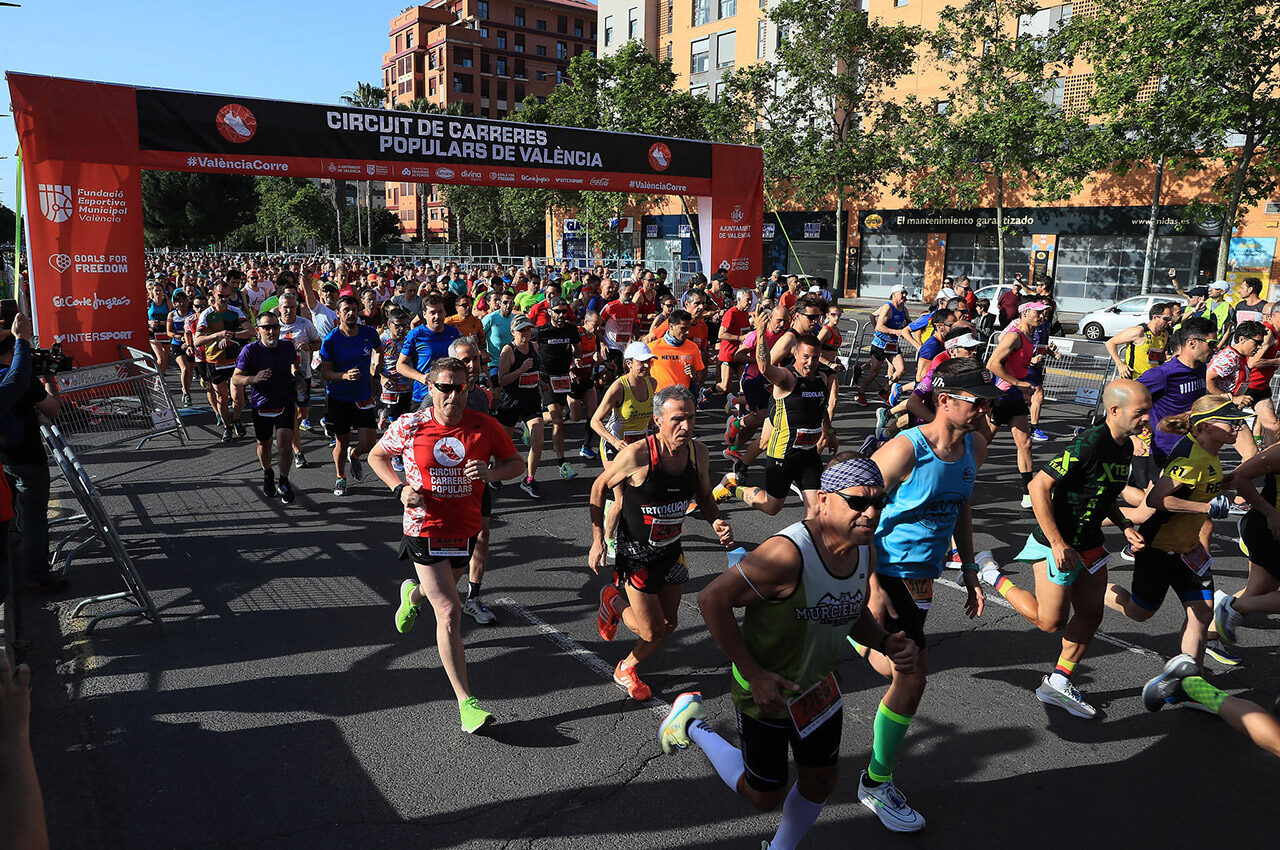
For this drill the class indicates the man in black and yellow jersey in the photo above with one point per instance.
(801, 430)
(1147, 343)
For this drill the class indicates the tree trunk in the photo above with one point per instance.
(1000, 223)
(368, 199)
(837, 280)
(359, 226)
(339, 200)
(1233, 205)
(1149, 256)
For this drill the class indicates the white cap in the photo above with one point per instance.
(637, 351)
(966, 341)
(1220, 285)
(947, 293)
(815, 289)
(897, 288)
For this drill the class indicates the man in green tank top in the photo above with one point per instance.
(804, 591)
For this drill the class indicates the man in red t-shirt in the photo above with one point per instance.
(446, 452)
(1009, 301)
(619, 320)
(733, 327)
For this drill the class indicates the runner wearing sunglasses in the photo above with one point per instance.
(266, 367)
(802, 591)
(559, 342)
(929, 474)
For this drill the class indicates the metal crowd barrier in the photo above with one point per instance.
(859, 359)
(93, 526)
(1071, 377)
(117, 402)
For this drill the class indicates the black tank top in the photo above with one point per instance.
(528, 382)
(653, 512)
(797, 418)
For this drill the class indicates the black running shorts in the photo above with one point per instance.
(801, 468)
(765, 744)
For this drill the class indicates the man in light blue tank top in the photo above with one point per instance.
(929, 474)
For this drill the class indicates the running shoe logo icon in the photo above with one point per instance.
(659, 157)
(236, 123)
(449, 451)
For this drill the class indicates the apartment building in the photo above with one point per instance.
(1093, 243)
(487, 56)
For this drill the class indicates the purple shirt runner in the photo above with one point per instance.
(1174, 387)
(278, 391)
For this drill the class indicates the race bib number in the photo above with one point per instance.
(921, 590)
(622, 336)
(560, 383)
(665, 531)
(632, 436)
(890, 346)
(448, 547)
(815, 706)
(807, 438)
(1095, 559)
(390, 397)
(529, 379)
(584, 362)
(270, 412)
(1198, 560)
(367, 404)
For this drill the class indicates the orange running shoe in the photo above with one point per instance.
(609, 613)
(626, 676)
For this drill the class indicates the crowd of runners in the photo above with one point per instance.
(450, 383)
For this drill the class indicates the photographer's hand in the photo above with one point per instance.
(22, 327)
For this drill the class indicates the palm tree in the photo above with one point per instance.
(371, 97)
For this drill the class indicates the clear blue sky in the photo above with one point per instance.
(308, 51)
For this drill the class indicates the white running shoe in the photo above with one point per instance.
(890, 806)
(1226, 619)
(476, 610)
(1067, 697)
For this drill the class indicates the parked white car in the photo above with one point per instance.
(1109, 321)
(992, 293)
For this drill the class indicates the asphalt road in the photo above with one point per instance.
(279, 708)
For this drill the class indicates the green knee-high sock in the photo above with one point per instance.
(889, 730)
(1203, 692)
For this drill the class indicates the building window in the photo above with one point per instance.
(562, 50)
(728, 8)
(501, 63)
(502, 90)
(559, 75)
(540, 49)
(484, 32)
(399, 43)
(463, 57)
(726, 42)
(608, 30)
(762, 38)
(899, 2)
(484, 87)
(541, 25)
(519, 42)
(485, 67)
(520, 72)
(482, 10)
(408, 39)
(764, 4)
(1272, 208)
(698, 91)
(940, 107)
(782, 35)
(431, 87)
(502, 40)
(700, 58)
(577, 28)
(519, 16)
(1045, 21)
(701, 12)
(431, 60)
(562, 24)
(719, 91)
(540, 75)
(633, 23)
(462, 83)
(519, 93)
(669, 50)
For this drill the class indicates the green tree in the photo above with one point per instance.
(997, 125)
(1195, 83)
(829, 124)
(187, 209)
(290, 211)
(371, 97)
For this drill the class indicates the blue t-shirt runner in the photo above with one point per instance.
(350, 352)
(423, 345)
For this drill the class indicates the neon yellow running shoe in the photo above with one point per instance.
(674, 731)
(473, 716)
(407, 612)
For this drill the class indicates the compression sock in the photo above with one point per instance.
(1062, 673)
(861, 649)
(473, 589)
(739, 493)
(1002, 584)
(1203, 692)
(725, 757)
(560, 460)
(798, 817)
(889, 730)
(1026, 479)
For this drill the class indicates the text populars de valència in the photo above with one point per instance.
(439, 137)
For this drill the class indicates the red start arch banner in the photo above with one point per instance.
(84, 145)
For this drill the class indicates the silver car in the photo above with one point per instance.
(1109, 321)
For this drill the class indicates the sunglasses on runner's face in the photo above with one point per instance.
(448, 389)
(268, 327)
(968, 399)
(859, 504)
(813, 317)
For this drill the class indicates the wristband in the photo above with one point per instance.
(964, 568)
(396, 490)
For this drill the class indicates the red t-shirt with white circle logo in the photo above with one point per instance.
(434, 457)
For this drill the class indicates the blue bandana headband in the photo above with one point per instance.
(854, 472)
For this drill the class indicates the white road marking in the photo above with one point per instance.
(576, 651)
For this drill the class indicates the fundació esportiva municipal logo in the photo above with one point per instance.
(56, 202)
(236, 123)
(659, 157)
